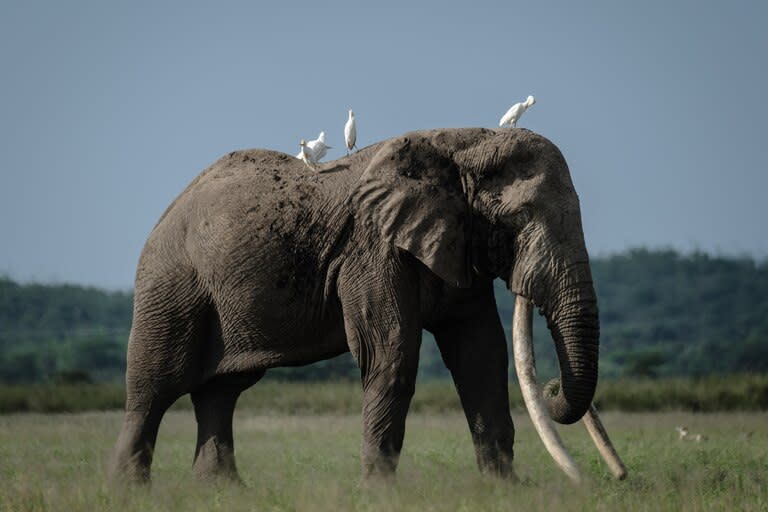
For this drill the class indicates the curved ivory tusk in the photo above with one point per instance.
(604, 446)
(522, 346)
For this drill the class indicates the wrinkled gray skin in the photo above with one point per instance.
(262, 263)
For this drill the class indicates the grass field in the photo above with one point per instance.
(310, 462)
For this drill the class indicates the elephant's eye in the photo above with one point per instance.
(521, 168)
(522, 215)
(524, 157)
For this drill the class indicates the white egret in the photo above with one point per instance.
(515, 111)
(350, 132)
(319, 147)
(316, 148)
(306, 155)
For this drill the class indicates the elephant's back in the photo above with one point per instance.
(248, 207)
(256, 180)
(260, 171)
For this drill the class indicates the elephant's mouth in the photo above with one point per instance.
(522, 345)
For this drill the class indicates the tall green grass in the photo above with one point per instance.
(305, 462)
(739, 392)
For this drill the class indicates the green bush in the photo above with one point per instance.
(50, 398)
(739, 392)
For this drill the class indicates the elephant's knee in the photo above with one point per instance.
(403, 385)
(395, 377)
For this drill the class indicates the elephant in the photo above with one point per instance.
(261, 263)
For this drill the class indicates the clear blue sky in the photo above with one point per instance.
(107, 111)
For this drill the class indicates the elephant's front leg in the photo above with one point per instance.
(474, 349)
(384, 335)
(388, 386)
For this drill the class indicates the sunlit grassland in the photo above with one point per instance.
(310, 462)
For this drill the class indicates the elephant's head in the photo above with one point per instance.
(530, 233)
(498, 203)
(495, 203)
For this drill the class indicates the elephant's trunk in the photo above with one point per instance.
(575, 329)
(567, 298)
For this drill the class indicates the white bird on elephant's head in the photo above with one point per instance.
(350, 132)
(515, 111)
(306, 155)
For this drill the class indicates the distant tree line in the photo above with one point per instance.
(662, 314)
(62, 332)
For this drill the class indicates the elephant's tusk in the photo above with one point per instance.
(604, 446)
(522, 346)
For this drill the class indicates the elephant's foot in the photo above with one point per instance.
(132, 455)
(128, 470)
(378, 466)
(215, 460)
(500, 468)
(495, 457)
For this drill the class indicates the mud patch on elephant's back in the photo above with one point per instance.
(308, 242)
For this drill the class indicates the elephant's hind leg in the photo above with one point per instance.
(164, 352)
(149, 395)
(214, 407)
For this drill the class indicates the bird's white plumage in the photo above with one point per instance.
(306, 155)
(515, 111)
(316, 148)
(350, 132)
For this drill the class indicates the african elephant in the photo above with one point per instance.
(261, 263)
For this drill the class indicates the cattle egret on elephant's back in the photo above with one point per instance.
(515, 111)
(306, 155)
(350, 132)
(317, 148)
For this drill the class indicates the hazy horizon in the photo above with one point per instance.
(108, 111)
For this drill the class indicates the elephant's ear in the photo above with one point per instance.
(412, 197)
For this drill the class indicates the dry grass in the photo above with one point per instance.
(310, 462)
